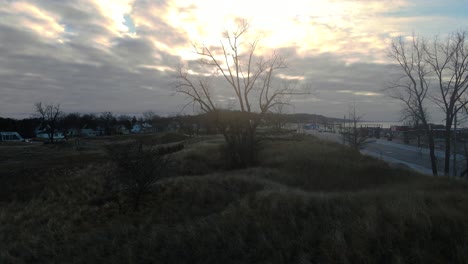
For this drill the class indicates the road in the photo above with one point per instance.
(414, 157)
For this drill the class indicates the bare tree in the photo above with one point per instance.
(449, 62)
(353, 134)
(412, 88)
(50, 115)
(107, 120)
(252, 79)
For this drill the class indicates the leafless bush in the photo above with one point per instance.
(138, 167)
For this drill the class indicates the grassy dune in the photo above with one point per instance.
(308, 201)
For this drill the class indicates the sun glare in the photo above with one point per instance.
(310, 26)
(115, 11)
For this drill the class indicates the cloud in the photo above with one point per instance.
(98, 68)
(32, 18)
(96, 55)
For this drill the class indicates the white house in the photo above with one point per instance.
(145, 127)
(10, 137)
(45, 135)
(87, 132)
(73, 132)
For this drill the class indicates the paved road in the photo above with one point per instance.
(392, 152)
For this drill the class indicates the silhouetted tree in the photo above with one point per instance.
(50, 115)
(448, 59)
(413, 87)
(251, 78)
(353, 133)
(89, 121)
(72, 120)
(107, 120)
(126, 121)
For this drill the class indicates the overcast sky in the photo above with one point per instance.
(120, 55)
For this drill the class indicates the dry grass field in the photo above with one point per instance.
(308, 201)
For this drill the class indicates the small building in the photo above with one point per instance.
(10, 137)
(137, 128)
(73, 132)
(142, 128)
(88, 132)
(122, 130)
(399, 128)
(311, 126)
(45, 135)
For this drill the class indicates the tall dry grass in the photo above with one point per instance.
(308, 202)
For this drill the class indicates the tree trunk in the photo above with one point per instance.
(448, 126)
(430, 138)
(51, 136)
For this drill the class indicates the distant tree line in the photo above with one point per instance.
(186, 124)
(106, 121)
(23, 126)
